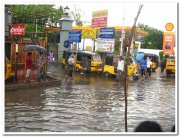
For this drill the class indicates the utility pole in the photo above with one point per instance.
(126, 67)
(133, 28)
(122, 32)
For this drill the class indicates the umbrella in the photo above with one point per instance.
(35, 47)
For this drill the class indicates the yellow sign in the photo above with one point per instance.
(100, 13)
(89, 48)
(169, 26)
(88, 33)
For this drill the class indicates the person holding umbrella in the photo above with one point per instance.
(40, 64)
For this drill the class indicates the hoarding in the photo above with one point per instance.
(99, 19)
(105, 45)
(168, 43)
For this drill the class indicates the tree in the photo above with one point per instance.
(161, 53)
(76, 13)
(35, 16)
(154, 39)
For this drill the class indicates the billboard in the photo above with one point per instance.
(105, 45)
(99, 19)
(168, 43)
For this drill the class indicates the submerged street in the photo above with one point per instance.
(90, 103)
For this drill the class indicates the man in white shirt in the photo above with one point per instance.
(120, 68)
(149, 63)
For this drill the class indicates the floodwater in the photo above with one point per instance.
(91, 104)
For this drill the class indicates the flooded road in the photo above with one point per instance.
(91, 104)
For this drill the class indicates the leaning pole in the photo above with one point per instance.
(125, 66)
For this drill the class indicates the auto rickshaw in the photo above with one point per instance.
(154, 60)
(9, 75)
(65, 57)
(111, 63)
(170, 65)
(88, 61)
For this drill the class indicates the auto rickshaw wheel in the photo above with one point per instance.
(106, 74)
(10, 80)
(153, 70)
(135, 78)
(167, 72)
(77, 69)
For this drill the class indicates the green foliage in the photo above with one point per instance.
(154, 38)
(76, 13)
(166, 56)
(28, 14)
(161, 53)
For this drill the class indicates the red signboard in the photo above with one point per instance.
(100, 22)
(18, 30)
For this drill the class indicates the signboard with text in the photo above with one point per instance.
(18, 30)
(99, 19)
(105, 45)
(106, 33)
(74, 36)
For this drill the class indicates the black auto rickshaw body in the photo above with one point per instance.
(154, 59)
(65, 57)
(88, 61)
(9, 75)
(111, 63)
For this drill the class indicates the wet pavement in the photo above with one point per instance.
(90, 103)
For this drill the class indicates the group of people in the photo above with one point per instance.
(145, 66)
(40, 65)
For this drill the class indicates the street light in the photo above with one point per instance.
(66, 11)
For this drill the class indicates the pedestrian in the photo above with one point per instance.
(40, 64)
(163, 64)
(120, 68)
(51, 56)
(148, 126)
(149, 63)
(143, 65)
(71, 63)
(73, 55)
(28, 67)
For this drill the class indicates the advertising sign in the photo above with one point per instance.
(18, 30)
(106, 33)
(89, 33)
(99, 19)
(74, 36)
(168, 43)
(105, 45)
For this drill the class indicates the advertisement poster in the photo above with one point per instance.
(105, 45)
(168, 43)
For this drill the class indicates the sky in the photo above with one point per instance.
(153, 14)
